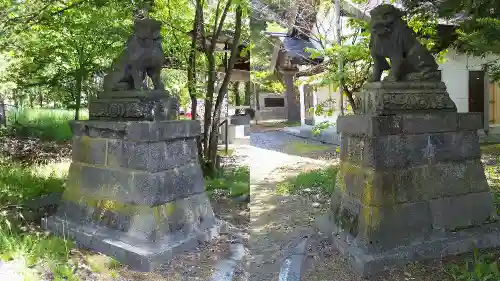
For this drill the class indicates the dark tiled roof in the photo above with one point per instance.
(295, 49)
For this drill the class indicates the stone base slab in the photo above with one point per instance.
(139, 255)
(452, 243)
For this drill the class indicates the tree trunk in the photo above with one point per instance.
(248, 93)
(213, 142)
(237, 99)
(78, 93)
(40, 100)
(3, 117)
(197, 27)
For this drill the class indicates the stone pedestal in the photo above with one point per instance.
(411, 185)
(135, 191)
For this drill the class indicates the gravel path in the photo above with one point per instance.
(278, 223)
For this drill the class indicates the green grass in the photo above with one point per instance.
(492, 153)
(31, 248)
(320, 181)
(304, 148)
(223, 153)
(45, 124)
(235, 181)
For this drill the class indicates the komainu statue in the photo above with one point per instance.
(143, 55)
(392, 38)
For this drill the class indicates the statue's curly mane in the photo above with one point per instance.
(387, 16)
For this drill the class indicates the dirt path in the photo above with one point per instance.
(277, 222)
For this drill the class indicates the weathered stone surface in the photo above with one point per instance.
(389, 98)
(135, 220)
(380, 228)
(144, 108)
(138, 131)
(394, 186)
(135, 187)
(152, 156)
(89, 150)
(454, 213)
(472, 121)
(409, 123)
(434, 247)
(411, 185)
(406, 151)
(135, 191)
(144, 238)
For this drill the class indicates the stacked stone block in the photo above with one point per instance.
(135, 191)
(411, 185)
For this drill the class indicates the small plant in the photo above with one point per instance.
(480, 268)
(235, 181)
(321, 181)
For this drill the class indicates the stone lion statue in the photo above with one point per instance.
(143, 55)
(392, 38)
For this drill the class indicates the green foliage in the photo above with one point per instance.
(46, 124)
(481, 267)
(18, 184)
(267, 82)
(321, 126)
(235, 181)
(320, 180)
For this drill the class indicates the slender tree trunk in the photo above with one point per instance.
(3, 117)
(248, 93)
(197, 28)
(40, 100)
(213, 143)
(78, 93)
(237, 98)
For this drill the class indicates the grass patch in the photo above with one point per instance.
(279, 124)
(234, 181)
(491, 154)
(103, 264)
(45, 124)
(320, 181)
(20, 242)
(304, 148)
(481, 267)
(223, 153)
(20, 183)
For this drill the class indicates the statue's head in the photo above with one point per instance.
(147, 31)
(383, 19)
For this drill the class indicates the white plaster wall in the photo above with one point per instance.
(323, 94)
(455, 74)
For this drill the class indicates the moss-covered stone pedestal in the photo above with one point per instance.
(411, 185)
(135, 191)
